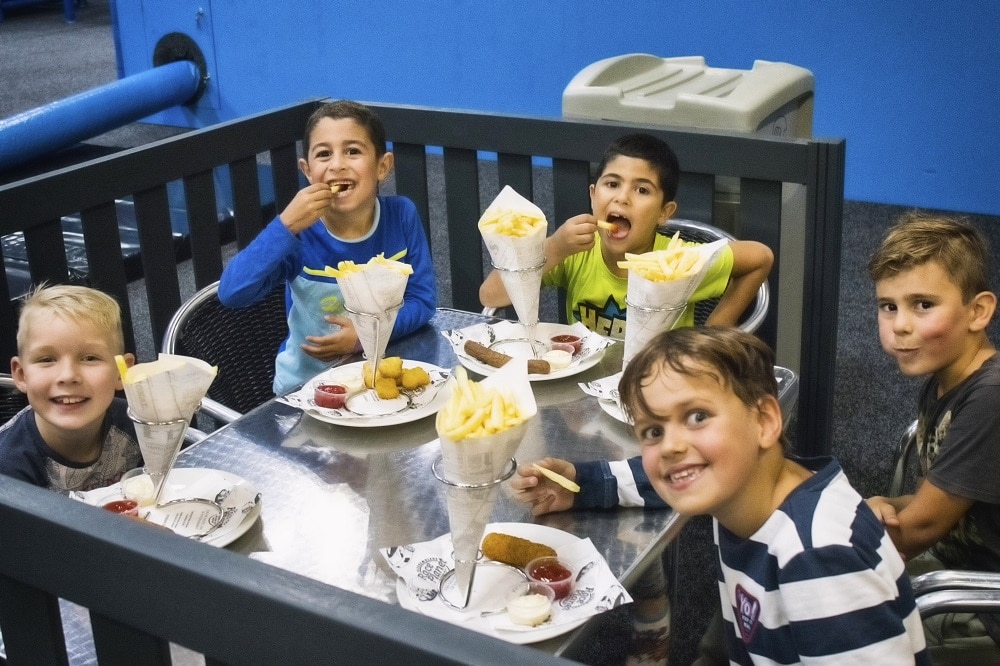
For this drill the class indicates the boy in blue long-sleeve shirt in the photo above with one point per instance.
(345, 160)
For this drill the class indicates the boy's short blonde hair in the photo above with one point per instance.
(739, 361)
(77, 303)
(918, 238)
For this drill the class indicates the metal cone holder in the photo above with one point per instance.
(479, 495)
(159, 442)
(378, 332)
(529, 327)
(631, 346)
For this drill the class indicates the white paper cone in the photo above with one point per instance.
(373, 298)
(169, 388)
(523, 288)
(656, 306)
(159, 444)
(482, 461)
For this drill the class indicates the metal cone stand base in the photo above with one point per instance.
(529, 327)
(159, 442)
(378, 333)
(461, 565)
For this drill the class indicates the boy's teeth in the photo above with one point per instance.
(684, 475)
(69, 401)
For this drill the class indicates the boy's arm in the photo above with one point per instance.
(420, 296)
(259, 267)
(752, 263)
(575, 235)
(921, 519)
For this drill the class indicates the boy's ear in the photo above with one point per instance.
(668, 211)
(17, 374)
(385, 166)
(984, 304)
(769, 421)
(304, 168)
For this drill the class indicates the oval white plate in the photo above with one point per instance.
(538, 533)
(366, 405)
(238, 498)
(516, 346)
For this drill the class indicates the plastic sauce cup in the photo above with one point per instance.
(330, 396)
(128, 507)
(554, 572)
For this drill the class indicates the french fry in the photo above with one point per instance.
(348, 267)
(608, 226)
(677, 261)
(512, 223)
(339, 187)
(558, 478)
(476, 411)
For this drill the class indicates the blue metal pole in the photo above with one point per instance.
(63, 123)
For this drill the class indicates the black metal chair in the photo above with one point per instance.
(242, 342)
(12, 400)
(949, 590)
(699, 232)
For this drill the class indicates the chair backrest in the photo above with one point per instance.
(11, 399)
(242, 342)
(699, 232)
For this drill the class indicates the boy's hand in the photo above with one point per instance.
(884, 510)
(339, 343)
(305, 208)
(574, 235)
(545, 496)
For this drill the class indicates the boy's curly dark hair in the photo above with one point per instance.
(359, 113)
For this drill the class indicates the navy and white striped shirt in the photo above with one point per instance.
(819, 582)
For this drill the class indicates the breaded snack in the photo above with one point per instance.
(391, 367)
(368, 374)
(513, 550)
(414, 378)
(386, 388)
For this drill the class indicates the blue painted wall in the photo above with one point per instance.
(911, 85)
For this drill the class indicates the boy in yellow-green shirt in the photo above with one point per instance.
(634, 192)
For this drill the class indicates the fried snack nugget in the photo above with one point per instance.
(391, 366)
(414, 378)
(513, 550)
(386, 388)
(368, 374)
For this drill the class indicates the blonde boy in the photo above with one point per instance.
(75, 434)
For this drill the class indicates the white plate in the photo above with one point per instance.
(509, 338)
(237, 497)
(363, 409)
(538, 533)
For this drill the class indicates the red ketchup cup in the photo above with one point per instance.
(568, 339)
(128, 507)
(554, 572)
(331, 396)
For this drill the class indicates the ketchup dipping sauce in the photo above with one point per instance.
(128, 507)
(331, 396)
(568, 339)
(554, 572)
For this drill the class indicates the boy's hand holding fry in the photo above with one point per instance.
(306, 206)
(577, 234)
(532, 486)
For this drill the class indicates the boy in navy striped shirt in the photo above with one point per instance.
(806, 571)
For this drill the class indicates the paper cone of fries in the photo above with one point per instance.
(163, 396)
(514, 229)
(373, 294)
(473, 466)
(659, 286)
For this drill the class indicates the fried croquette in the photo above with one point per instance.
(414, 378)
(391, 367)
(513, 550)
(368, 375)
(386, 388)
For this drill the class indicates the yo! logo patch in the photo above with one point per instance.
(747, 613)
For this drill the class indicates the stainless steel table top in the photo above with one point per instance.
(332, 496)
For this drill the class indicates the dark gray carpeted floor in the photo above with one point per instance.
(42, 59)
